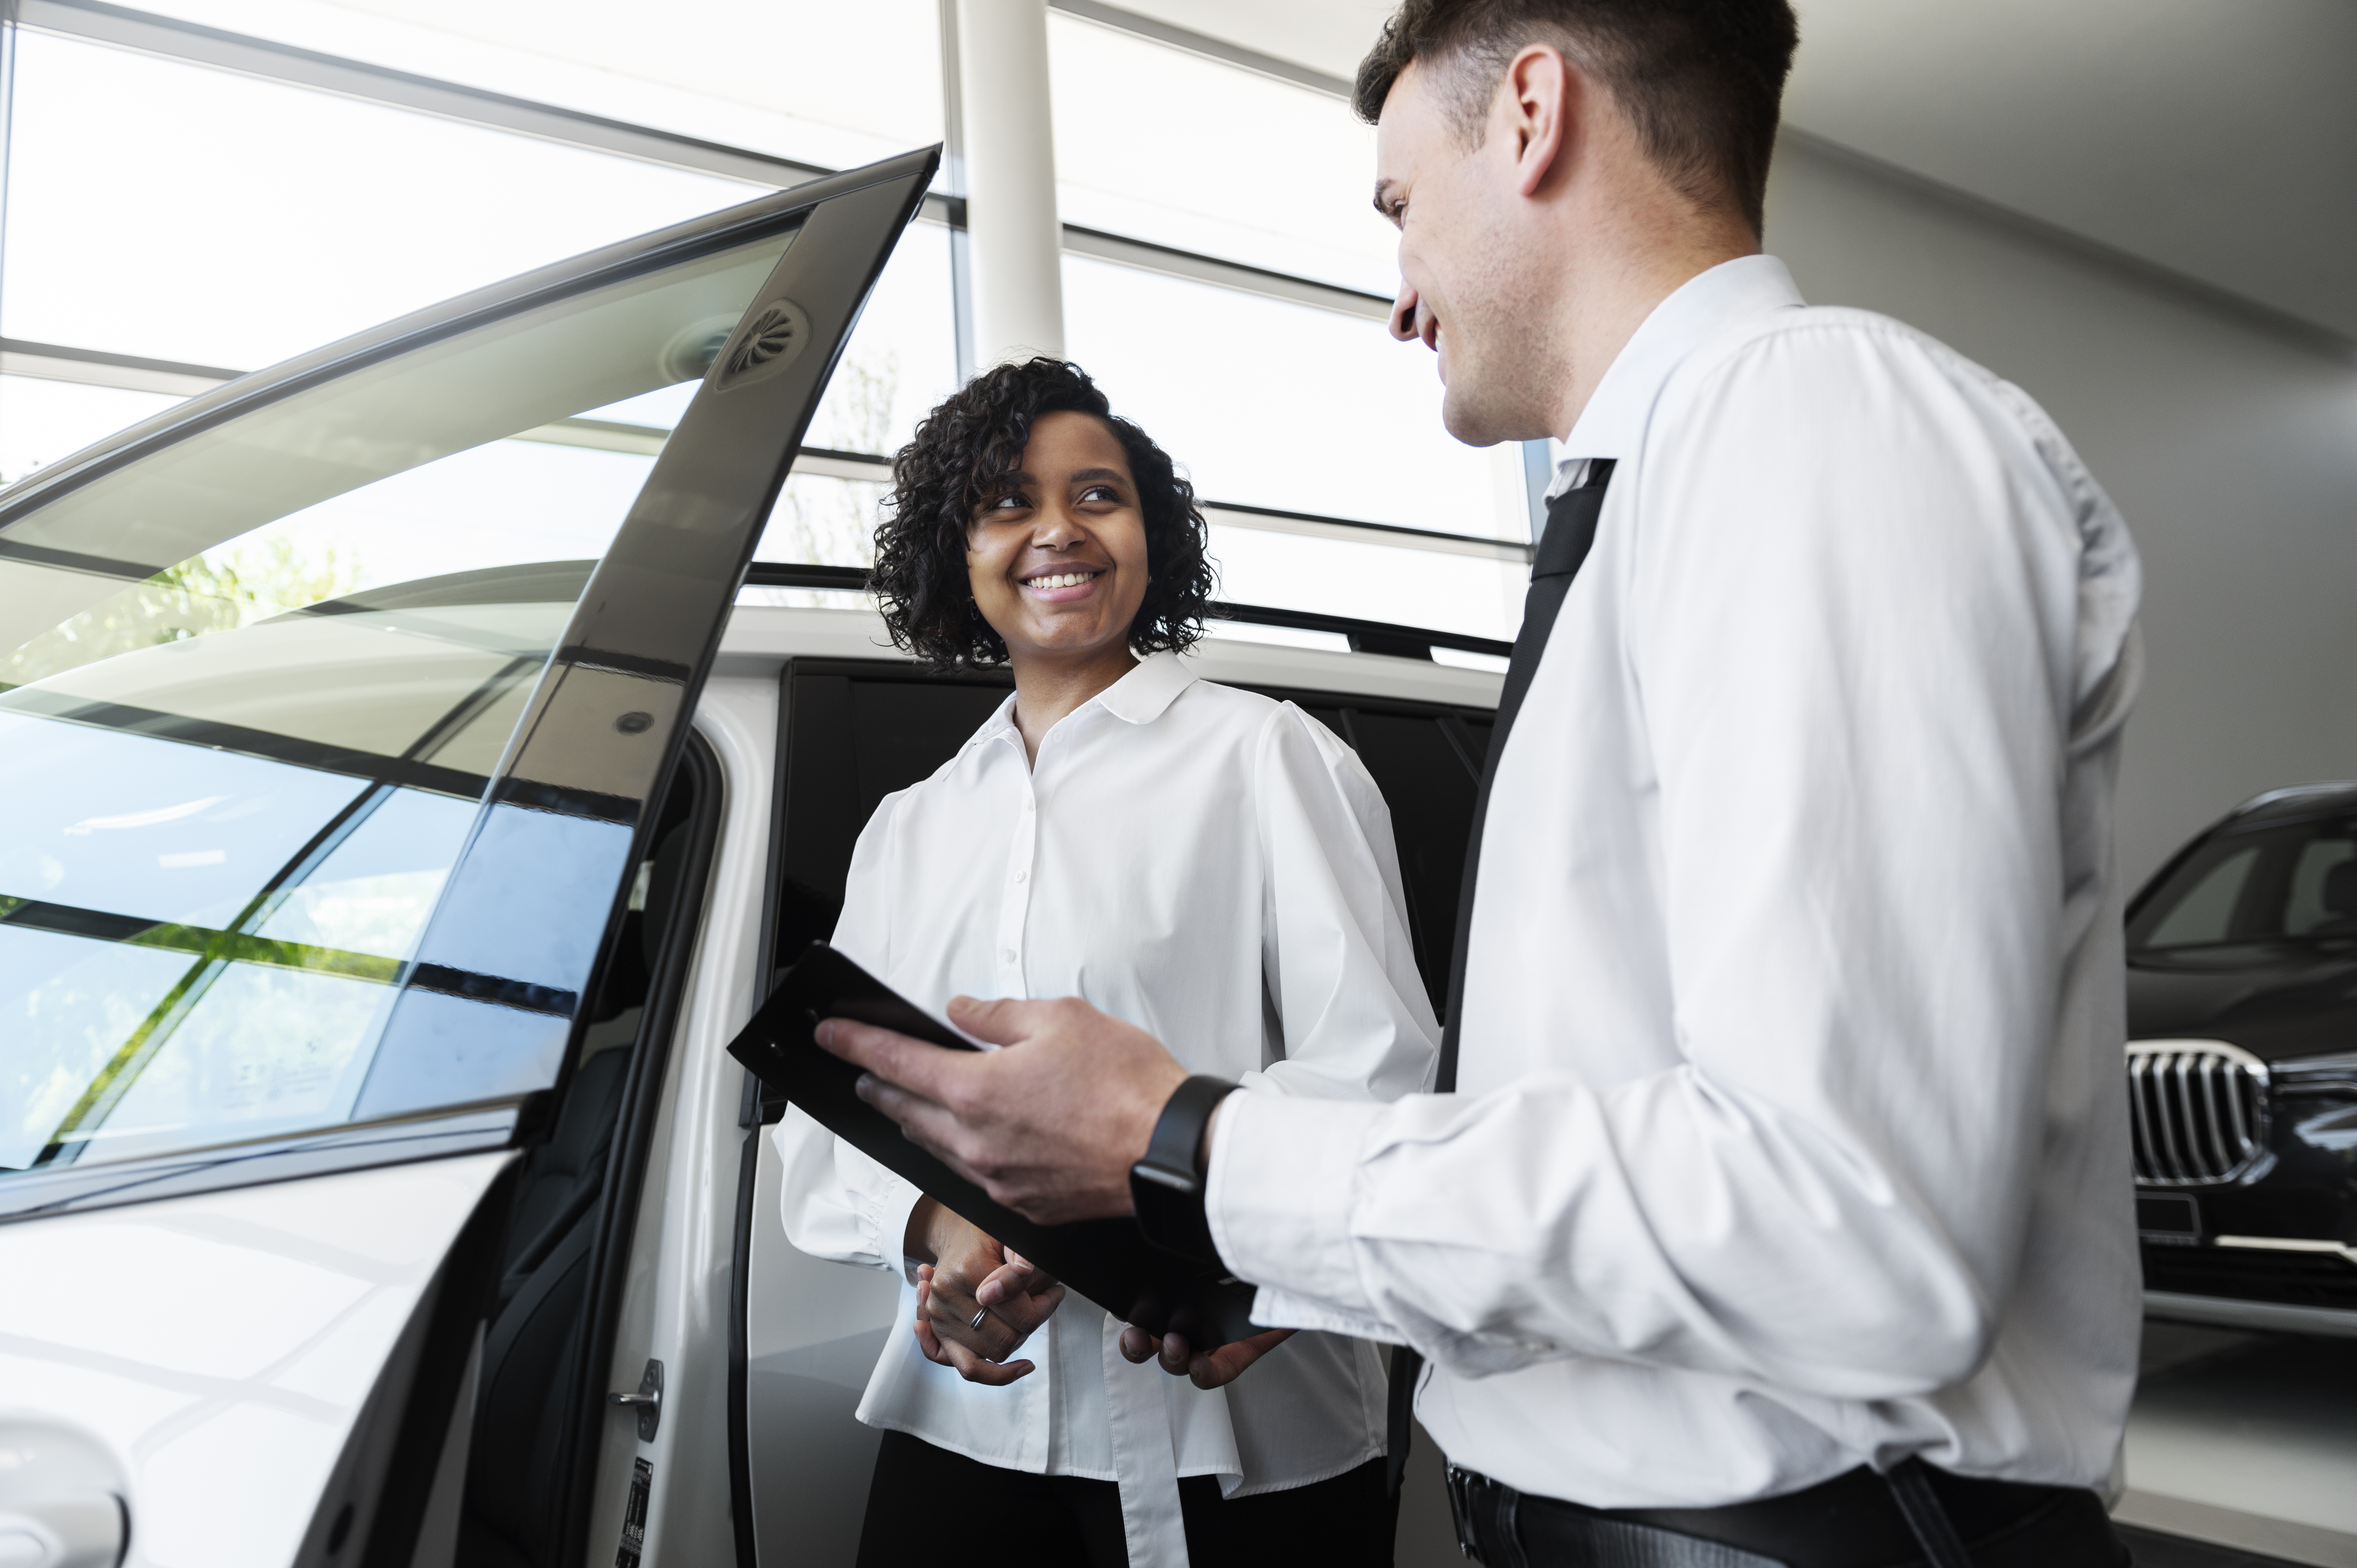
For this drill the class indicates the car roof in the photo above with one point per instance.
(2292, 802)
(760, 638)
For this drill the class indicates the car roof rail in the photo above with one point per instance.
(1363, 636)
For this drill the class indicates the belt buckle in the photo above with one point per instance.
(1461, 1511)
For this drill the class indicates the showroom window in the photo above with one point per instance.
(202, 187)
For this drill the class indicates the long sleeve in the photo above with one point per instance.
(1853, 627)
(1337, 956)
(837, 1203)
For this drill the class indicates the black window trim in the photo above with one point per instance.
(1365, 636)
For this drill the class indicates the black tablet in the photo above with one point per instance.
(1108, 1261)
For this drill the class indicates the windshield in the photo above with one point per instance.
(2240, 897)
(253, 686)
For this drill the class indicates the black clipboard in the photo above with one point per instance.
(1108, 1261)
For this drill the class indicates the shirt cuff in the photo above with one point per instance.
(1283, 1309)
(889, 1210)
(1284, 1172)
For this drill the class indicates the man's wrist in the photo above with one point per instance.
(1166, 1185)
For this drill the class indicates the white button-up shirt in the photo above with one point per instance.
(1790, 1132)
(1216, 868)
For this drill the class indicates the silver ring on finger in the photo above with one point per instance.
(978, 1317)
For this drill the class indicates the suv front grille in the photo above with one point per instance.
(2199, 1110)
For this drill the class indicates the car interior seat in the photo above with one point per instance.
(514, 1486)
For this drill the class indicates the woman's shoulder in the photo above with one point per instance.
(1262, 721)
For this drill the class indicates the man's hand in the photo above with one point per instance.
(970, 1277)
(1204, 1368)
(1049, 1126)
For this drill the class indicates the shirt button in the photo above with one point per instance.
(1028, 803)
(1021, 875)
(1008, 953)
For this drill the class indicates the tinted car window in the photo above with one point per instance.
(2293, 883)
(1428, 781)
(853, 736)
(250, 713)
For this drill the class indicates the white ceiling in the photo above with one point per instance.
(2215, 139)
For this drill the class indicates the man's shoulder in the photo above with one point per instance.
(1827, 340)
(1850, 374)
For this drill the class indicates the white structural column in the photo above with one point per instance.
(1015, 243)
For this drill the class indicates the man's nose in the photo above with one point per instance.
(1404, 314)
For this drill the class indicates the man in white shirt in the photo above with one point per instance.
(1781, 1213)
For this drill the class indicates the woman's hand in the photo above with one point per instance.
(1204, 1368)
(976, 1301)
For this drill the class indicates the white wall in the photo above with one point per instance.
(2229, 443)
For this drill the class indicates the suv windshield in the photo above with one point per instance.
(253, 684)
(2240, 895)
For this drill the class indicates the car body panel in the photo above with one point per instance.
(221, 1348)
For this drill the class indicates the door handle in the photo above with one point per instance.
(69, 1532)
(647, 1402)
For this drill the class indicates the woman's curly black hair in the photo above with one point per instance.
(965, 455)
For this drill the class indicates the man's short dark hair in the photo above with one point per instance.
(1700, 79)
(965, 455)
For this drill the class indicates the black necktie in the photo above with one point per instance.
(1570, 530)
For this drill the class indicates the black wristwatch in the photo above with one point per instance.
(1166, 1188)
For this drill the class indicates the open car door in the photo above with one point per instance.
(349, 825)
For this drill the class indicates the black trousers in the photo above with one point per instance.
(1850, 1521)
(928, 1507)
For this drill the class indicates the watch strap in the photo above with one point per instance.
(1166, 1188)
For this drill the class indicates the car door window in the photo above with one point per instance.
(257, 683)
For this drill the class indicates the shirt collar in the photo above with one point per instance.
(1614, 419)
(1138, 697)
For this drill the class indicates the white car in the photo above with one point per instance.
(405, 794)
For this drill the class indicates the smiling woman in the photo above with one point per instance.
(971, 488)
(1195, 855)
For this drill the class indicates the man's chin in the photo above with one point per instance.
(1480, 423)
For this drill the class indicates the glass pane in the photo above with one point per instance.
(236, 784)
(2323, 896)
(1285, 405)
(42, 421)
(296, 217)
(2204, 912)
(902, 360)
(824, 521)
(1467, 593)
(735, 73)
(1165, 145)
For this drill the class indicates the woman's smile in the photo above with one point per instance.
(1065, 587)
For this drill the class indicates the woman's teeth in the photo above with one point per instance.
(1062, 580)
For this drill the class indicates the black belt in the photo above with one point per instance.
(1914, 1515)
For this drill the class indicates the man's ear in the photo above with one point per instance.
(1536, 98)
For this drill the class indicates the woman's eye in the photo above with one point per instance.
(1007, 503)
(1101, 493)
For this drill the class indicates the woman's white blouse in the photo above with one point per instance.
(1216, 868)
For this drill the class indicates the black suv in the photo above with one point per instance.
(2243, 1067)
